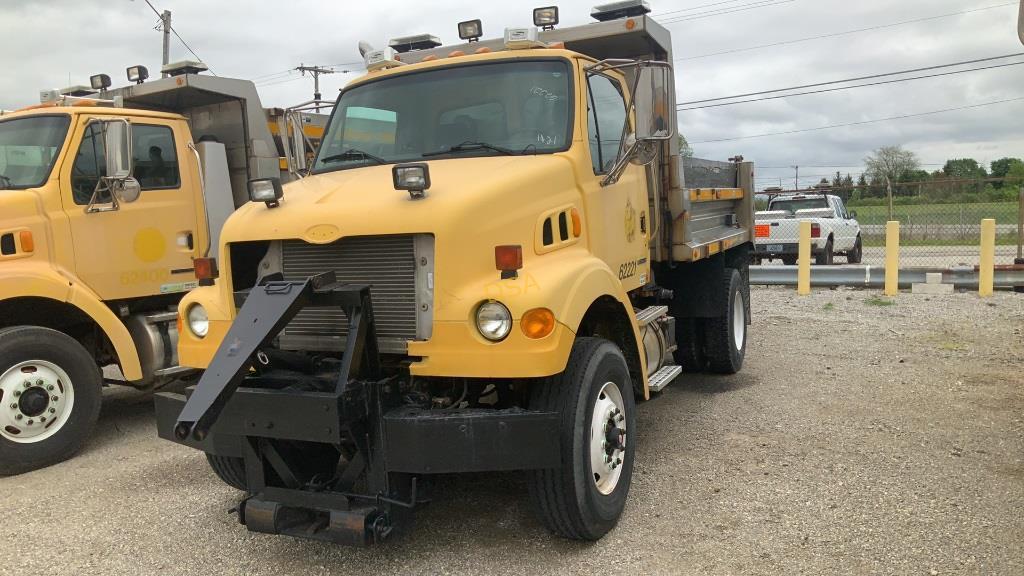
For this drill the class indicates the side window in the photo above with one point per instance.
(90, 165)
(154, 157)
(605, 117)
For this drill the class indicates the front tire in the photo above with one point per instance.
(584, 497)
(230, 469)
(727, 334)
(50, 397)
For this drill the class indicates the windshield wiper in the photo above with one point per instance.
(353, 153)
(467, 146)
(5, 182)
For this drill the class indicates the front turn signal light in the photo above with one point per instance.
(538, 323)
(28, 244)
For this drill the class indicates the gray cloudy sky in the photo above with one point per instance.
(47, 43)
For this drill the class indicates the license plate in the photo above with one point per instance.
(775, 247)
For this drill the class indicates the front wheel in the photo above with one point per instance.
(50, 397)
(230, 469)
(584, 497)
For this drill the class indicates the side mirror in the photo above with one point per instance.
(127, 190)
(654, 114)
(853, 214)
(117, 146)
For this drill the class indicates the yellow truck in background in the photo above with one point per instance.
(107, 198)
(494, 258)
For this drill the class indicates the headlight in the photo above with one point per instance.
(198, 321)
(493, 320)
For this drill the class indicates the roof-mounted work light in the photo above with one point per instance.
(137, 74)
(471, 30)
(417, 42)
(546, 18)
(99, 82)
(616, 10)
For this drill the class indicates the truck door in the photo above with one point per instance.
(844, 229)
(145, 247)
(617, 213)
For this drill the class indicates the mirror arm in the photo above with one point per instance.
(104, 184)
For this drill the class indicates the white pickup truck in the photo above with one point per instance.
(834, 230)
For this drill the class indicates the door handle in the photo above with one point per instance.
(186, 241)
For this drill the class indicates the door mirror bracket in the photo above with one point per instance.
(118, 183)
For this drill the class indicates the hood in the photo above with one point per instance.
(465, 193)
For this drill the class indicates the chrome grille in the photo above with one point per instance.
(388, 264)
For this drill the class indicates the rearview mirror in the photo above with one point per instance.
(654, 116)
(853, 214)
(127, 189)
(117, 146)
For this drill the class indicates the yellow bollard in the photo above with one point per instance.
(988, 256)
(803, 272)
(892, 258)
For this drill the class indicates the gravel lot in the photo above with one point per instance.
(859, 438)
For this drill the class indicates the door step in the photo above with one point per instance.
(650, 314)
(663, 377)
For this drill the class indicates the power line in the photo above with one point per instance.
(728, 10)
(871, 77)
(860, 122)
(698, 7)
(180, 39)
(835, 34)
(854, 86)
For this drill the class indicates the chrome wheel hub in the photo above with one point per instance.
(608, 438)
(739, 320)
(36, 398)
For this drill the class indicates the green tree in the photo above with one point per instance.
(1000, 168)
(964, 168)
(684, 147)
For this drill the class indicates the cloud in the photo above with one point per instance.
(54, 43)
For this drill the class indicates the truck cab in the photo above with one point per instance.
(494, 258)
(108, 198)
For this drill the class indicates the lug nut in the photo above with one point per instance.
(39, 382)
(14, 406)
(53, 410)
(604, 444)
(27, 383)
(17, 393)
(17, 416)
(54, 398)
(42, 418)
(29, 422)
(50, 387)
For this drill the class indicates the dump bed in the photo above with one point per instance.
(714, 211)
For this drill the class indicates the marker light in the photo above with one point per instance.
(99, 82)
(546, 17)
(815, 230)
(205, 270)
(28, 244)
(538, 323)
(508, 258)
(493, 320)
(471, 30)
(198, 320)
(267, 190)
(414, 178)
(137, 74)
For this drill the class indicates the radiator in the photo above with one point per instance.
(399, 271)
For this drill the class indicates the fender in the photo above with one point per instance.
(41, 281)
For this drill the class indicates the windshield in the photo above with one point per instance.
(511, 107)
(794, 204)
(28, 149)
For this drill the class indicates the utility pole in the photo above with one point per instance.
(796, 179)
(315, 72)
(165, 25)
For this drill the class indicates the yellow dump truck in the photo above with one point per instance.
(107, 196)
(494, 258)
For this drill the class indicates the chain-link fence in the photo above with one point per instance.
(936, 234)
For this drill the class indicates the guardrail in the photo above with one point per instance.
(874, 276)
